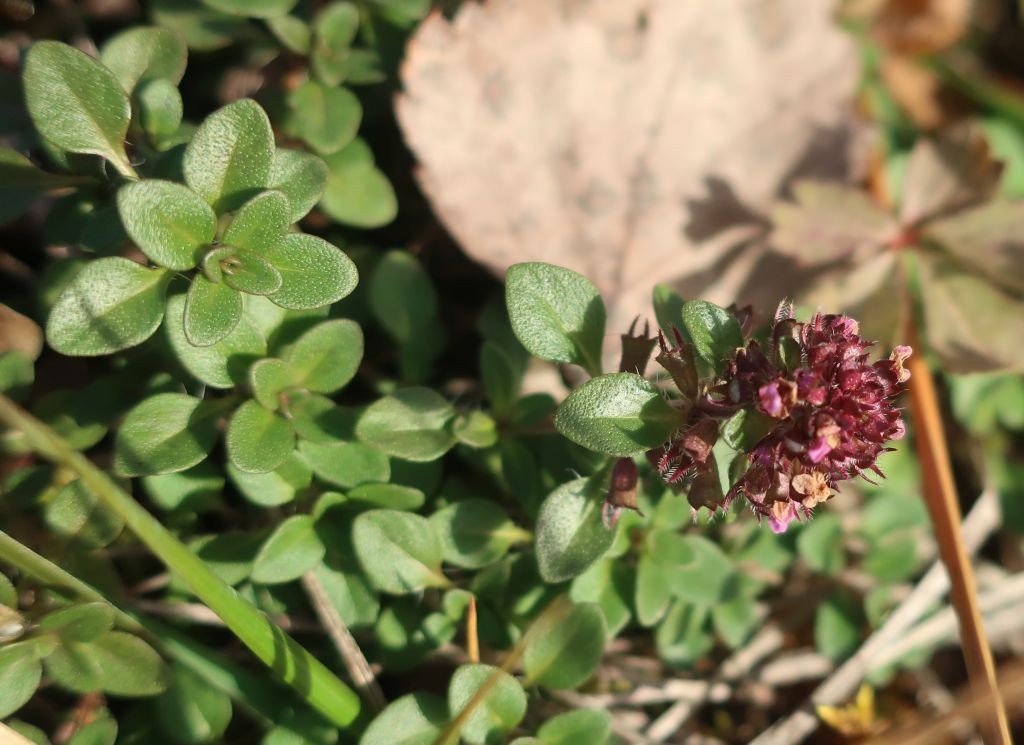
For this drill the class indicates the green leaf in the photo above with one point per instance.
(101, 731)
(76, 103)
(682, 638)
(653, 589)
(564, 650)
(20, 671)
(413, 719)
(165, 433)
(735, 620)
(169, 222)
(313, 272)
(294, 33)
(820, 544)
(82, 622)
(590, 726)
(110, 304)
(229, 158)
(346, 464)
(229, 555)
(619, 414)
(327, 118)
(350, 594)
(267, 379)
(500, 710)
(116, 663)
(204, 29)
(145, 53)
(475, 532)
(399, 274)
(293, 549)
(609, 584)
(335, 29)
(75, 513)
(715, 332)
(260, 223)
(274, 487)
(391, 496)
(698, 570)
(301, 177)
(325, 358)
(971, 324)
(668, 309)
(250, 273)
(399, 551)
(556, 313)
(192, 711)
(357, 193)
(837, 628)
(222, 364)
(21, 184)
(409, 424)
(258, 440)
(318, 419)
(195, 490)
(160, 109)
(211, 311)
(570, 535)
(16, 374)
(253, 8)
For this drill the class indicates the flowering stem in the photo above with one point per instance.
(944, 509)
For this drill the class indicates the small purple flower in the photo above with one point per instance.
(829, 414)
(834, 415)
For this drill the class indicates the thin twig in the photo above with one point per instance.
(982, 520)
(355, 661)
(472, 638)
(944, 509)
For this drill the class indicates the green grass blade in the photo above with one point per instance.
(297, 667)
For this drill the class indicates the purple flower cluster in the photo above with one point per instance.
(827, 410)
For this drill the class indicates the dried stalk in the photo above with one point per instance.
(944, 509)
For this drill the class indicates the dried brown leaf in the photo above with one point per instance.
(829, 221)
(634, 141)
(947, 174)
(988, 238)
(19, 333)
(970, 323)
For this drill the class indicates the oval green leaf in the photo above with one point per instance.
(399, 551)
(169, 222)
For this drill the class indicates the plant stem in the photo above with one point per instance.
(323, 690)
(944, 509)
(359, 669)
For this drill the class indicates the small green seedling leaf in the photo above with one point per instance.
(21, 672)
(335, 29)
(219, 365)
(400, 274)
(76, 103)
(117, 663)
(357, 193)
(325, 358)
(413, 719)
(169, 222)
(260, 223)
(399, 551)
(564, 649)
(160, 108)
(619, 414)
(268, 378)
(276, 487)
(293, 549)
(250, 273)
(110, 304)
(412, 424)
(313, 272)
(570, 534)
(82, 622)
(145, 53)
(715, 332)
(500, 710)
(258, 440)
(325, 117)
(590, 726)
(253, 8)
(229, 158)
(165, 433)
(475, 532)
(212, 310)
(557, 314)
(346, 464)
(301, 177)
